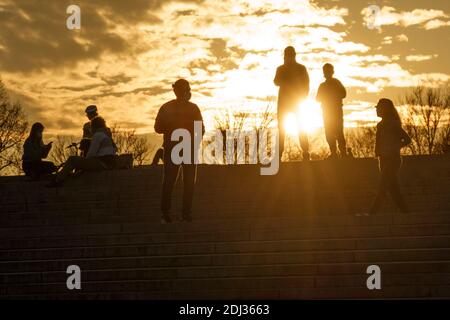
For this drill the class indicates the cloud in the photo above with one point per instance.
(150, 91)
(128, 54)
(436, 23)
(389, 16)
(402, 38)
(420, 57)
(34, 36)
(387, 40)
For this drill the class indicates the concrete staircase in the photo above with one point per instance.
(290, 236)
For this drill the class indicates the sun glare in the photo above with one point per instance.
(291, 125)
(308, 118)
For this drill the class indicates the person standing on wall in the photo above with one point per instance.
(293, 80)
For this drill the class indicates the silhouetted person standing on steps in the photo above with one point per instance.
(330, 95)
(293, 80)
(178, 114)
(390, 139)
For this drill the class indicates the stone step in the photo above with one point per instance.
(39, 193)
(198, 285)
(293, 235)
(199, 272)
(221, 259)
(398, 292)
(225, 247)
(107, 236)
(355, 226)
(150, 221)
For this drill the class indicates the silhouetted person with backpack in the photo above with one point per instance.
(390, 139)
(34, 150)
(101, 154)
(178, 114)
(293, 80)
(330, 94)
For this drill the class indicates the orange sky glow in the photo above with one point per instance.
(128, 53)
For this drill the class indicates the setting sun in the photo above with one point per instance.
(308, 118)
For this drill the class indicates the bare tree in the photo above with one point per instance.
(361, 141)
(426, 118)
(13, 128)
(292, 151)
(127, 141)
(231, 122)
(263, 121)
(63, 148)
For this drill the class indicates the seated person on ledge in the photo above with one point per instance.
(34, 150)
(101, 154)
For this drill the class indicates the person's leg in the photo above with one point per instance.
(79, 163)
(382, 188)
(304, 144)
(189, 175)
(394, 187)
(397, 197)
(68, 167)
(340, 136)
(158, 156)
(90, 164)
(281, 133)
(330, 134)
(169, 179)
(47, 167)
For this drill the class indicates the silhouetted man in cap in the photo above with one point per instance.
(173, 115)
(293, 80)
(330, 95)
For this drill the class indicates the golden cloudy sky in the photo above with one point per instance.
(128, 53)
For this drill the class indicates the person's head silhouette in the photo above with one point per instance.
(91, 111)
(289, 54)
(98, 123)
(386, 110)
(36, 131)
(328, 71)
(182, 90)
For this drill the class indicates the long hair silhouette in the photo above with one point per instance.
(388, 112)
(35, 129)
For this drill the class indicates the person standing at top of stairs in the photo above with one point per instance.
(179, 113)
(390, 139)
(293, 81)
